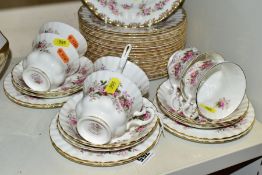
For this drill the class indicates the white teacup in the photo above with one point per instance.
(103, 115)
(68, 32)
(42, 72)
(215, 87)
(60, 48)
(178, 64)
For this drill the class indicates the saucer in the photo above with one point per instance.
(164, 92)
(29, 101)
(72, 84)
(219, 135)
(67, 126)
(102, 159)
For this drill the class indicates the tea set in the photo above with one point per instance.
(103, 112)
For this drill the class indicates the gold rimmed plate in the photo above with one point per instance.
(72, 84)
(164, 92)
(67, 125)
(102, 159)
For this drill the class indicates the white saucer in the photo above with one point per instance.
(100, 158)
(29, 101)
(67, 126)
(72, 84)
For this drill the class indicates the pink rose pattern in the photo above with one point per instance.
(223, 103)
(182, 63)
(113, 6)
(122, 99)
(42, 46)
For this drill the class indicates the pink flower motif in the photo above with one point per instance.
(37, 79)
(72, 121)
(177, 68)
(146, 116)
(193, 77)
(112, 6)
(140, 129)
(79, 81)
(103, 2)
(127, 6)
(207, 64)
(188, 56)
(146, 11)
(159, 5)
(222, 103)
(83, 71)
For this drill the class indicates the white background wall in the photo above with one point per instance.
(232, 28)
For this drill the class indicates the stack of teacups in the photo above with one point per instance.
(55, 68)
(204, 92)
(110, 117)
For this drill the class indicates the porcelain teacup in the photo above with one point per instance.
(67, 32)
(42, 72)
(109, 107)
(213, 86)
(60, 48)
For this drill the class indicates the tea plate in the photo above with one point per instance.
(29, 101)
(100, 158)
(164, 92)
(67, 122)
(226, 133)
(72, 84)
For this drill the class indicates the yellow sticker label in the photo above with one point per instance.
(208, 108)
(61, 42)
(112, 85)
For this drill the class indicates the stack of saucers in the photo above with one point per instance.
(152, 46)
(34, 82)
(120, 150)
(228, 117)
(110, 123)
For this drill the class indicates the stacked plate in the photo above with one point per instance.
(17, 91)
(152, 46)
(200, 129)
(120, 150)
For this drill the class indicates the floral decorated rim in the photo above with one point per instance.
(105, 17)
(72, 153)
(207, 141)
(28, 101)
(220, 135)
(73, 83)
(201, 123)
(67, 122)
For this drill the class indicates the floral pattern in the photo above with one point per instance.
(223, 103)
(37, 78)
(42, 46)
(121, 99)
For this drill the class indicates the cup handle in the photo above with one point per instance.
(138, 122)
(124, 58)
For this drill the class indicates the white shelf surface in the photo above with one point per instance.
(25, 147)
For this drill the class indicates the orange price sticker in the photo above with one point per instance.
(73, 41)
(63, 55)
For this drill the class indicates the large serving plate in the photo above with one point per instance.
(67, 125)
(72, 84)
(87, 18)
(29, 101)
(132, 13)
(163, 94)
(103, 159)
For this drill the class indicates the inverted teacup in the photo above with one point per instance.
(107, 110)
(42, 72)
(60, 48)
(67, 32)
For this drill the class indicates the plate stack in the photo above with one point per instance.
(17, 91)
(152, 46)
(123, 149)
(200, 129)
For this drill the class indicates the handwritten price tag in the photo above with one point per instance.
(61, 42)
(208, 108)
(112, 85)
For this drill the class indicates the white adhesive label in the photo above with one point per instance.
(145, 158)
